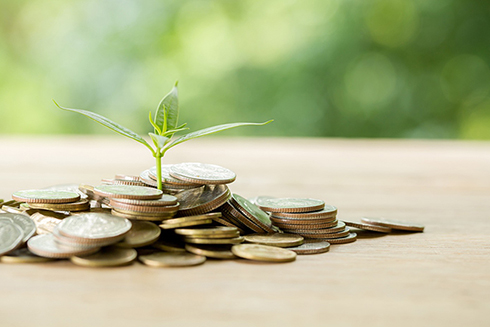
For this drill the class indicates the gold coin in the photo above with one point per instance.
(311, 247)
(196, 240)
(147, 210)
(206, 216)
(142, 233)
(139, 216)
(327, 212)
(399, 225)
(128, 192)
(352, 237)
(45, 246)
(80, 205)
(263, 253)
(323, 236)
(44, 224)
(227, 223)
(169, 245)
(22, 255)
(164, 215)
(339, 227)
(290, 204)
(252, 212)
(186, 224)
(45, 196)
(172, 259)
(277, 239)
(373, 228)
(211, 251)
(203, 232)
(106, 257)
(305, 226)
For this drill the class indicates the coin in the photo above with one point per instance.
(172, 259)
(80, 205)
(252, 212)
(145, 178)
(255, 199)
(352, 237)
(142, 233)
(199, 240)
(277, 239)
(169, 245)
(311, 247)
(186, 224)
(211, 251)
(328, 211)
(222, 231)
(25, 223)
(148, 210)
(230, 212)
(290, 204)
(263, 253)
(10, 236)
(400, 225)
(94, 226)
(340, 226)
(322, 236)
(280, 224)
(227, 223)
(44, 224)
(22, 255)
(165, 200)
(128, 192)
(114, 181)
(166, 178)
(45, 196)
(373, 228)
(201, 173)
(45, 246)
(141, 216)
(202, 200)
(127, 177)
(107, 257)
(210, 215)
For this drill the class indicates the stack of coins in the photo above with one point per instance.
(310, 218)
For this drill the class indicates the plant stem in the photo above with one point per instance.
(159, 156)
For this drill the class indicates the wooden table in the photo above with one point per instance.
(437, 278)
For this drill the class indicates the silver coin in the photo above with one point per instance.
(290, 204)
(24, 222)
(94, 226)
(202, 173)
(166, 178)
(10, 236)
(45, 246)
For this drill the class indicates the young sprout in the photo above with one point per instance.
(165, 126)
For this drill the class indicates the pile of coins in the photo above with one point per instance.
(194, 217)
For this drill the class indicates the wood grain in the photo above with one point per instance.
(439, 278)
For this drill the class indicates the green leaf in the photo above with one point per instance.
(109, 124)
(159, 140)
(157, 129)
(173, 131)
(167, 114)
(210, 130)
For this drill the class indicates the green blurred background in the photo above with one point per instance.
(358, 68)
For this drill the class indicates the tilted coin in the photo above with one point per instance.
(172, 259)
(328, 211)
(211, 251)
(166, 178)
(290, 204)
(202, 200)
(197, 240)
(128, 192)
(80, 205)
(230, 212)
(352, 237)
(400, 225)
(10, 236)
(200, 232)
(252, 212)
(142, 233)
(88, 190)
(45, 246)
(370, 227)
(145, 178)
(196, 172)
(311, 247)
(45, 224)
(165, 200)
(227, 223)
(107, 257)
(45, 196)
(25, 223)
(263, 253)
(94, 226)
(282, 240)
(186, 224)
(22, 255)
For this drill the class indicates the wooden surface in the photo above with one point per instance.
(437, 278)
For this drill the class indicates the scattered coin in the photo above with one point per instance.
(10, 236)
(201, 173)
(142, 233)
(252, 212)
(400, 225)
(45, 246)
(22, 255)
(277, 239)
(172, 259)
(238, 218)
(311, 247)
(128, 192)
(290, 204)
(352, 237)
(169, 245)
(263, 253)
(210, 215)
(107, 257)
(45, 196)
(25, 223)
(211, 251)
(370, 227)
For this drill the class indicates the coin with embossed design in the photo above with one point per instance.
(202, 173)
(290, 204)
